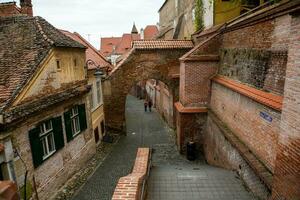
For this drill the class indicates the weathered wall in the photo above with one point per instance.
(190, 127)
(256, 36)
(177, 14)
(287, 170)
(218, 151)
(262, 69)
(56, 170)
(242, 115)
(50, 78)
(139, 66)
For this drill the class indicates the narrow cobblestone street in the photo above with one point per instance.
(172, 176)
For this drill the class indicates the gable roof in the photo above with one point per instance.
(91, 52)
(108, 44)
(162, 44)
(25, 42)
(150, 32)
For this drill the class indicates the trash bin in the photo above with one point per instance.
(191, 151)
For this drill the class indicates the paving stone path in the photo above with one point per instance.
(172, 176)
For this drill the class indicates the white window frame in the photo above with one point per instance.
(46, 138)
(75, 121)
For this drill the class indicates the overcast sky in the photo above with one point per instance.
(96, 18)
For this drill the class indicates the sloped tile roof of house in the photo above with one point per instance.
(150, 32)
(162, 44)
(25, 42)
(108, 43)
(91, 52)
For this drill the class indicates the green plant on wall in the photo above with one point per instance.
(199, 15)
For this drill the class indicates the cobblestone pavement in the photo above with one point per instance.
(172, 177)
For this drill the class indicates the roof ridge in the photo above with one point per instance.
(91, 46)
(41, 31)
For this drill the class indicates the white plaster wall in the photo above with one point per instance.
(208, 15)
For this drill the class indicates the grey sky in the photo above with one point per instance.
(98, 17)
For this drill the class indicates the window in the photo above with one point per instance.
(47, 139)
(58, 64)
(75, 121)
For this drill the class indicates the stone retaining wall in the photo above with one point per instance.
(130, 187)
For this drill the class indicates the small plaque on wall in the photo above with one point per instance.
(266, 116)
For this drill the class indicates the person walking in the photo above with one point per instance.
(150, 104)
(145, 105)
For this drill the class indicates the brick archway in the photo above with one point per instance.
(156, 59)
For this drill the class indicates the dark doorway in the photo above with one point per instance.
(102, 128)
(96, 133)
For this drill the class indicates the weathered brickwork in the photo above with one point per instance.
(263, 69)
(287, 169)
(9, 9)
(195, 82)
(56, 170)
(243, 116)
(220, 152)
(139, 66)
(130, 187)
(258, 36)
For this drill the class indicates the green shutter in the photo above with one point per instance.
(68, 126)
(36, 147)
(82, 117)
(58, 133)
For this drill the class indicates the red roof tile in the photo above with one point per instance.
(162, 44)
(107, 44)
(91, 52)
(150, 32)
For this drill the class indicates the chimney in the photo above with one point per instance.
(26, 7)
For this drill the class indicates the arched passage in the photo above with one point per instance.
(155, 59)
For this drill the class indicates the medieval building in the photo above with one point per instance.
(45, 110)
(94, 61)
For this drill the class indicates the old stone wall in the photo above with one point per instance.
(286, 182)
(220, 152)
(56, 170)
(262, 69)
(258, 36)
(244, 116)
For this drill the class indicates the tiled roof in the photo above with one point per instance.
(150, 32)
(25, 42)
(121, 44)
(91, 52)
(108, 43)
(162, 44)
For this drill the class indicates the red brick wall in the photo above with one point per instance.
(130, 187)
(195, 82)
(286, 184)
(9, 9)
(242, 116)
(256, 36)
